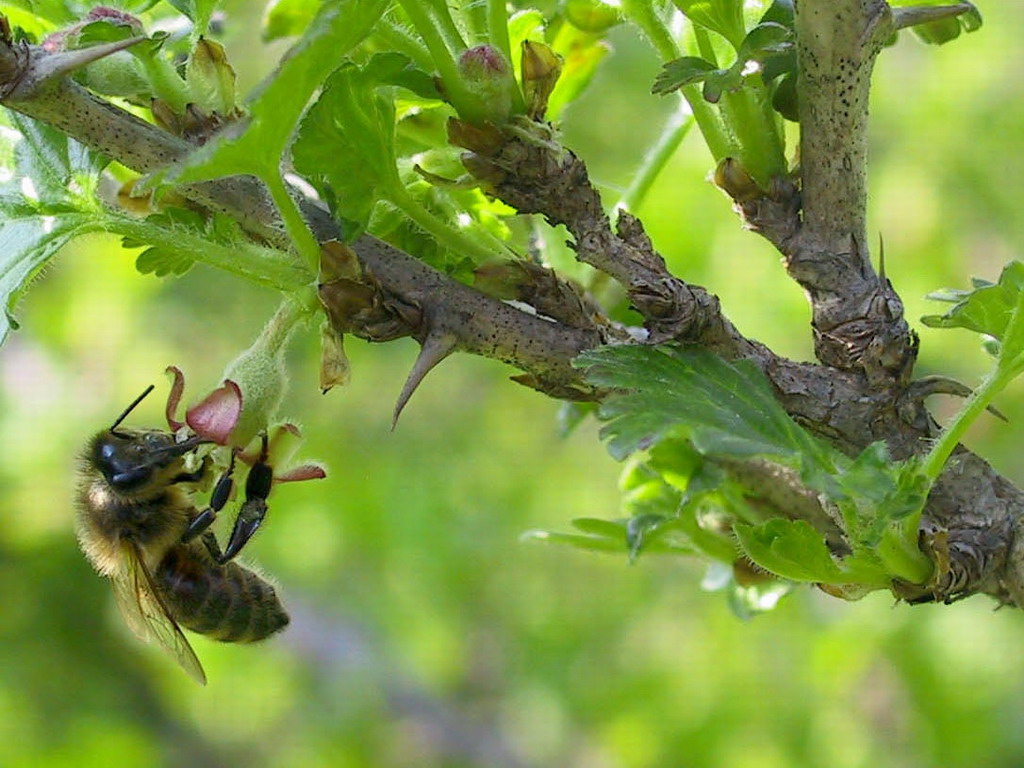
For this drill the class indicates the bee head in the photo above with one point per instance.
(129, 458)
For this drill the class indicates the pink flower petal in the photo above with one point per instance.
(301, 472)
(216, 416)
(174, 397)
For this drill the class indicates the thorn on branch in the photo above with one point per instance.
(911, 16)
(436, 347)
(42, 66)
(943, 385)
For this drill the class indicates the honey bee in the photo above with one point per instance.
(137, 525)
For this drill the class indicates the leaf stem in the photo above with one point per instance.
(442, 56)
(643, 15)
(399, 39)
(164, 78)
(298, 232)
(446, 24)
(973, 407)
(497, 27)
(761, 148)
(1005, 371)
(497, 34)
(901, 555)
(264, 266)
(453, 238)
(704, 46)
(676, 129)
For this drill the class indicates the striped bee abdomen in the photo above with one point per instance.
(226, 602)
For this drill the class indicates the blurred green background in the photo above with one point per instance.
(424, 633)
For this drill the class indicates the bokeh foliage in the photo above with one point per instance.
(425, 633)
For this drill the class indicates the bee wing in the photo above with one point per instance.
(147, 616)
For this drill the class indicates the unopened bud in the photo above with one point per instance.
(210, 79)
(541, 68)
(486, 74)
(733, 179)
(335, 369)
(262, 377)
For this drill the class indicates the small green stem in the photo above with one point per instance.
(902, 557)
(973, 407)
(1006, 370)
(443, 59)
(656, 158)
(294, 223)
(278, 330)
(710, 123)
(761, 148)
(643, 15)
(457, 241)
(167, 83)
(497, 33)
(474, 15)
(398, 38)
(497, 27)
(704, 46)
(446, 25)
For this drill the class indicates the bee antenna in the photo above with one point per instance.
(129, 409)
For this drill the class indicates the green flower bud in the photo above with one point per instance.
(487, 75)
(118, 74)
(262, 377)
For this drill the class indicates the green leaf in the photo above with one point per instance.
(725, 408)
(393, 68)
(571, 414)
(46, 202)
(287, 18)
(613, 536)
(943, 31)
(780, 12)
(258, 149)
(163, 263)
(581, 55)
(594, 526)
(593, 17)
(182, 236)
(685, 70)
(57, 12)
(199, 11)
(587, 543)
(987, 309)
(889, 491)
(345, 147)
(722, 16)
(792, 549)
(766, 40)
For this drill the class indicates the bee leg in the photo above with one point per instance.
(246, 524)
(257, 488)
(219, 497)
(192, 477)
(212, 546)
